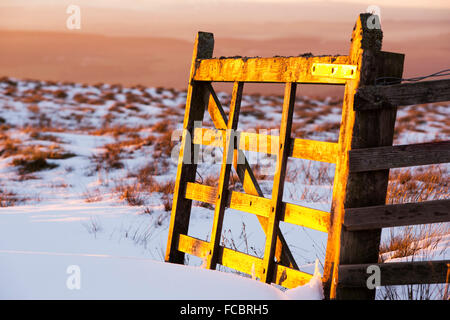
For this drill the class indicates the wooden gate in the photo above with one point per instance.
(360, 183)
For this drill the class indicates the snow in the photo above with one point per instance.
(120, 248)
(112, 267)
(311, 291)
(43, 275)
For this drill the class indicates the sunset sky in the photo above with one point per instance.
(150, 41)
(147, 3)
(177, 18)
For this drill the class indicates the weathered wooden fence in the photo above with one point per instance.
(363, 156)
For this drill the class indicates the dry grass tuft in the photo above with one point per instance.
(32, 165)
(9, 198)
(418, 242)
(34, 158)
(93, 195)
(132, 194)
(419, 184)
(109, 159)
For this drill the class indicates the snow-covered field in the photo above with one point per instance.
(86, 177)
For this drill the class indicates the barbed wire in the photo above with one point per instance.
(394, 80)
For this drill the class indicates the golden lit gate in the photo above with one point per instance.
(359, 129)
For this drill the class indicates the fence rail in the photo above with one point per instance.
(371, 159)
(396, 215)
(402, 94)
(396, 273)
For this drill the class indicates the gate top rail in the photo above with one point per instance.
(302, 69)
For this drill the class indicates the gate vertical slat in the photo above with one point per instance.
(197, 99)
(278, 181)
(224, 178)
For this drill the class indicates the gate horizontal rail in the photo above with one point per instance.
(396, 273)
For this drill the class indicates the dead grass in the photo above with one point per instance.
(145, 175)
(116, 130)
(419, 242)
(9, 198)
(410, 241)
(132, 194)
(164, 145)
(165, 188)
(80, 98)
(135, 194)
(9, 146)
(328, 127)
(37, 135)
(61, 94)
(32, 165)
(109, 159)
(92, 195)
(419, 184)
(145, 183)
(162, 126)
(414, 243)
(34, 109)
(117, 107)
(93, 226)
(132, 107)
(34, 158)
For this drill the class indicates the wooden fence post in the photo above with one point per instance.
(361, 189)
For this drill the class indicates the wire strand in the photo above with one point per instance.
(395, 80)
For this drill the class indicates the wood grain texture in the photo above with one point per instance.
(260, 206)
(249, 141)
(396, 273)
(290, 278)
(276, 69)
(246, 263)
(278, 182)
(330, 275)
(314, 150)
(376, 97)
(193, 246)
(306, 217)
(248, 203)
(359, 131)
(371, 129)
(224, 177)
(395, 215)
(371, 159)
(200, 192)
